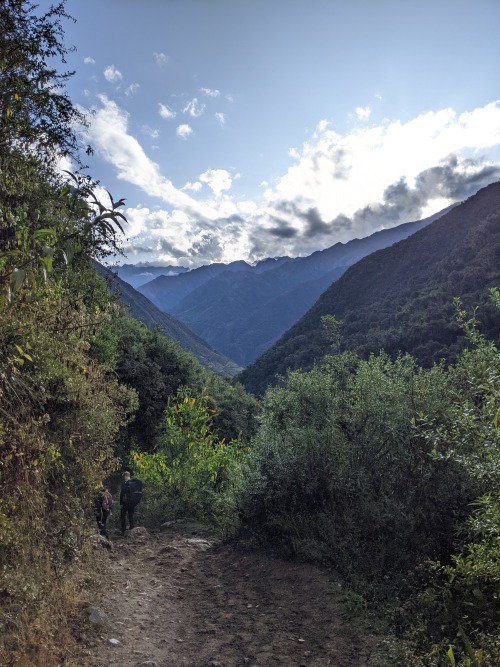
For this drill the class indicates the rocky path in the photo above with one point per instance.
(176, 599)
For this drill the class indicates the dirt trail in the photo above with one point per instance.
(176, 599)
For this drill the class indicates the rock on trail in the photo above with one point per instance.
(176, 599)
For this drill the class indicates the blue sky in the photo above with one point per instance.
(242, 129)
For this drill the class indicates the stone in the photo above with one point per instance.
(102, 542)
(168, 549)
(138, 534)
(115, 642)
(167, 524)
(198, 543)
(148, 663)
(98, 617)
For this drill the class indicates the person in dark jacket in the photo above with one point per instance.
(102, 509)
(130, 497)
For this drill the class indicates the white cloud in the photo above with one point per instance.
(322, 126)
(220, 117)
(165, 111)
(340, 186)
(132, 89)
(195, 187)
(339, 175)
(210, 92)
(88, 60)
(160, 58)
(184, 131)
(217, 180)
(194, 108)
(150, 131)
(363, 113)
(112, 74)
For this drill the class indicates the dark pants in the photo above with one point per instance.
(101, 518)
(129, 510)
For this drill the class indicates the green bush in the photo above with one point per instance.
(192, 472)
(340, 473)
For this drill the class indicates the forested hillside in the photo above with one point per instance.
(242, 310)
(401, 298)
(145, 311)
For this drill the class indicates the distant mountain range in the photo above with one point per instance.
(241, 310)
(142, 309)
(137, 275)
(401, 297)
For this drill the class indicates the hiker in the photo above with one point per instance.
(130, 497)
(102, 509)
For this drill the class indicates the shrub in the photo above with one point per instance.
(192, 472)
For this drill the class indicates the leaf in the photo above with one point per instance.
(468, 645)
(43, 233)
(17, 279)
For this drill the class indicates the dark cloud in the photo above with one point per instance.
(449, 180)
(135, 249)
(283, 231)
(209, 247)
(341, 224)
(167, 247)
(342, 168)
(316, 226)
(337, 161)
(452, 179)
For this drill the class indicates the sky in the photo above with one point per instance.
(245, 129)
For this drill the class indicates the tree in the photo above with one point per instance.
(36, 114)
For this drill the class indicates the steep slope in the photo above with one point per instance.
(401, 298)
(166, 291)
(242, 314)
(145, 311)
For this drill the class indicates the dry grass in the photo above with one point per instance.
(51, 633)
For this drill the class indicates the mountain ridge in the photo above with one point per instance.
(239, 313)
(143, 310)
(401, 297)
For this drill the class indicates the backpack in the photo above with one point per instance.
(106, 501)
(134, 491)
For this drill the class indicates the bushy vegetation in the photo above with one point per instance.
(389, 473)
(192, 472)
(81, 382)
(60, 409)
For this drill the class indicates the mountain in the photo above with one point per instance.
(401, 298)
(166, 291)
(242, 314)
(137, 275)
(145, 311)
